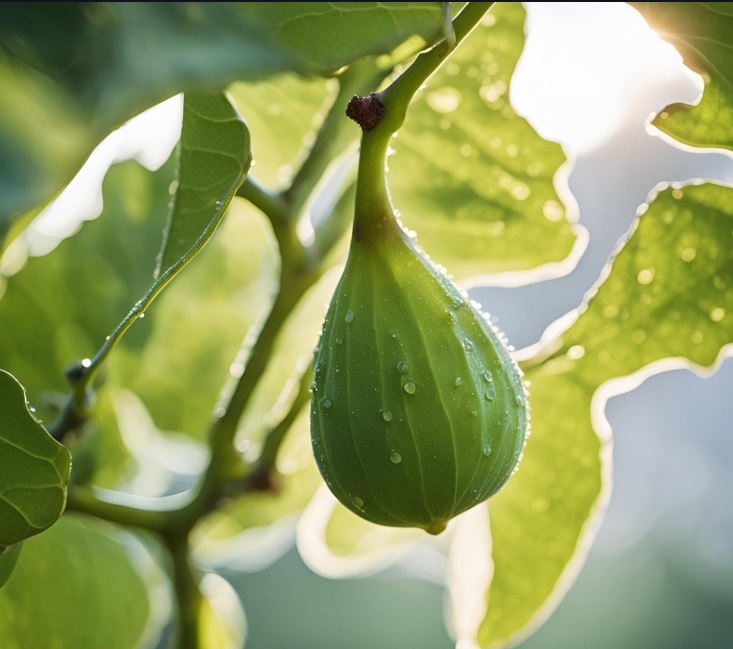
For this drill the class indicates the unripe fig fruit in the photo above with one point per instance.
(418, 411)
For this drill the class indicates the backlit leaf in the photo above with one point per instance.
(472, 177)
(701, 31)
(666, 303)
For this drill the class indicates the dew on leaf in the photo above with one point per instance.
(575, 352)
(645, 276)
(610, 310)
(395, 458)
(402, 367)
(349, 317)
(487, 450)
(326, 404)
(688, 254)
(717, 314)
(386, 415)
(358, 502)
(552, 210)
(445, 100)
(410, 387)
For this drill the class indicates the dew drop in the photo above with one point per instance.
(688, 254)
(445, 100)
(467, 345)
(410, 387)
(314, 386)
(326, 404)
(487, 450)
(452, 317)
(86, 362)
(339, 341)
(142, 315)
(349, 317)
(474, 413)
(553, 211)
(358, 502)
(518, 400)
(386, 415)
(402, 367)
(717, 314)
(458, 381)
(395, 458)
(610, 310)
(645, 276)
(575, 352)
(490, 396)
(488, 376)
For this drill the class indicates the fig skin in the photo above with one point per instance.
(418, 411)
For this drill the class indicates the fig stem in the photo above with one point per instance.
(381, 115)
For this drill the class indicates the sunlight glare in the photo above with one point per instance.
(589, 66)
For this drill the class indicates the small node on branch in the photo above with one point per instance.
(367, 112)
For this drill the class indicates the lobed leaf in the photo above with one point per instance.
(472, 177)
(701, 32)
(667, 301)
(34, 468)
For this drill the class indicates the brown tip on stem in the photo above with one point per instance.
(264, 479)
(367, 112)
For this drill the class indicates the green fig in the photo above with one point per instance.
(418, 411)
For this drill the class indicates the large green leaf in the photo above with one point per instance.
(82, 584)
(473, 178)
(213, 160)
(34, 468)
(701, 31)
(74, 71)
(669, 295)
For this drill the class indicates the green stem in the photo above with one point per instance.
(335, 135)
(188, 595)
(374, 216)
(397, 97)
